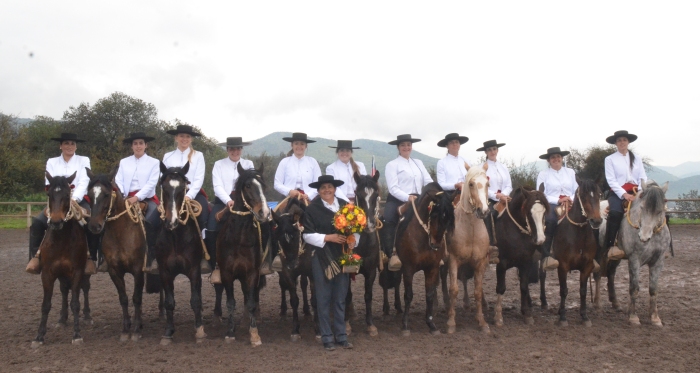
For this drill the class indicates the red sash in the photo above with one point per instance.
(201, 190)
(154, 198)
(629, 188)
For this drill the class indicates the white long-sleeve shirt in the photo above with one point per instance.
(618, 173)
(59, 167)
(405, 177)
(343, 171)
(297, 173)
(195, 175)
(138, 174)
(318, 239)
(451, 170)
(499, 179)
(224, 176)
(557, 183)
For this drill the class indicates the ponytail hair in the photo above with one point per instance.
(631, 159)
(189, 156)
(290, 152)
(355, 168)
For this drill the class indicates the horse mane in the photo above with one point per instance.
(366, 181)
(588, 185)
(442, 208)
(176, 171)
(102, 179)
(246, 175)
(654, 198)
(473, 171)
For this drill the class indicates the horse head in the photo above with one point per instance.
(100, 191)
(288, 232)
(173, 183)
(588, 197)
(59, 193)
(652, 205)
(367, 196)
(531, 206)
(441, 213)
(251, 188)
(475, 190)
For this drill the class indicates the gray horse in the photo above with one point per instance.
(644, 237)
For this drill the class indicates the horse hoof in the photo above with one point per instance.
(406, 333)
(89, 321)
(348, 328)
(634, 321)
(529, 321)
(485, 329)
(166, 341)
(124, 337)
(544, 306)
(135, 337)
(657, 322)
(254, 337)
(36, 344)
(77, 341)
(228, 339)
(60, 325)
(451, 329)
(296, 337)
(616, 305)
(563, 323)
(372, 330)
(587, 323)
(255, 343)
(200, 334)
(499, 323)
(435, 332)
(318, 339)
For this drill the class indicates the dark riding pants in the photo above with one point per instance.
(330, 297)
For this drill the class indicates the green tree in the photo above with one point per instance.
(688, 205)
(590, 163)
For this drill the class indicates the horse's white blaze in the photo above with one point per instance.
(57, 189)
(265, 208)
(369, 192)
(537, 212)
(173, 214)
(174, 183)
(96, 191)
(483, 193)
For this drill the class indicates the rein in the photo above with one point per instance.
(134, 213)
(300, 250)
(527, 231)
(583, 212)
(74, 211)
(426, 227)
(191, 208)
(636, 226)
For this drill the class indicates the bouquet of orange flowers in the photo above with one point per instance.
(348, 220)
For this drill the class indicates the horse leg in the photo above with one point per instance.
(161, 304)
(294, 303)
(444, 286)
(397, 291)
(467, 305)
(583, 286)
(64, 285)
(543, 294)
(431, 282)
(349, 310)
(500, 290)
(562, 272)
(283, 305)
(196, 302)
(305, 298)
(169, 305)
(250, 288)
(479, 295)
(219, 291)
(384, 282)
(227, 284)
(453, 291)
(137, 326)
(407, 297)
(76, 284)
(369, 284)
(118, 280)
(634, 291)
(525, 301)
(85, 286)
(47, 284)
(596, 291)
(612, 269)
(654, 272)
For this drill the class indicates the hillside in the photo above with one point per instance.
(683, 170)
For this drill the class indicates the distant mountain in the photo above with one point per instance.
(660, 176)
(683, 170)
(683, 186)
(383, 152)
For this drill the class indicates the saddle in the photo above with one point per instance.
(143, 206)
(500, 206)
(402, 209)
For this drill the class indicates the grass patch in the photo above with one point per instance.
(683, 221)
(13, 223)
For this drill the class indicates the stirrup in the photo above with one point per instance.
(215, 278)
(384, 258)
(493, 255)
(394, 263)
(102, 267)
(153, 268)
(90, 268)
(34, 266)
(550, 264)
(265, 269)
(616, 254)
(596, 266)
(277, 264)
(204, 266)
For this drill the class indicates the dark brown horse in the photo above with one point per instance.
(123, 245)
(64, 252)
(420, 245)
(519, 232)
(367, 197)
(240, 246)
(179, 248)
(574, 245)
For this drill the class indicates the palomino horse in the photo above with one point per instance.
(574, 244)
(468, 243)
(287, 238)
(123, 244)
(367, 197)
(63, 255)
(179, 248)
(419, 245)
(644, 236)
(517, 242)
(239, 246)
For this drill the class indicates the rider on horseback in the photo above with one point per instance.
(500, 186)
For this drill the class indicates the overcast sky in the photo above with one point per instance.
(532, 74)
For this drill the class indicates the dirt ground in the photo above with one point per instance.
(609, 345)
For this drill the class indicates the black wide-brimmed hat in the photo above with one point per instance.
(137, 135)
(67, 136)
(235, 142)
(326, 179)
(489, 144)
(555, 150)
(403, 138)
(183, 128)
(298, 136)
(452, 136)
(344, 144)
(623, 133)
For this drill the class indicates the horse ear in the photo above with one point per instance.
(240, 168)
(275, 217)
(665, 187)
(89, 173)
(163, 168)
(541, 188)
(48, 176)
(72, 177)
(578, 180)
(187, 168)
(376, 176)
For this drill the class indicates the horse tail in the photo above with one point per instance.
(153, 285)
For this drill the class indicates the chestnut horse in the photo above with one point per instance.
(123, 245)
(519, 232)
(574, 245)
(64, 252)
(240, 245)
(468, 243)
(420, 246)
(179, 248)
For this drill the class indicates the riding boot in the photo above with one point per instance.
(613, 227)
(36, 235)
(489, 221)
(549, 263)
(151, 236)
(210, 242)
(389, 247)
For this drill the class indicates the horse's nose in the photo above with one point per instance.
(56, 226)
(595, 223)
(170, 225)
